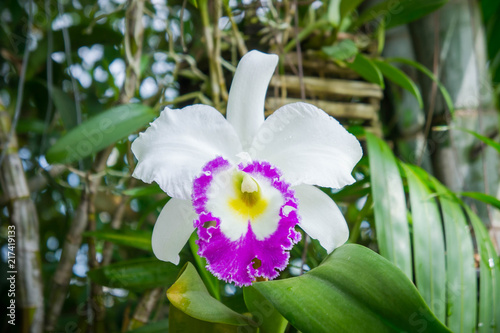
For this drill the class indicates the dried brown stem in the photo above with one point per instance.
(71, 246)
(144, 308)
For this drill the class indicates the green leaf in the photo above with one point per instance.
(353, 290)
(152, 189)
(342, 50)
(348, 6)
(461, 279)
(158, 327)
(333, 14)
(488, 199)
(428, 243)
(428, 73)
(99, 132)
(263, 312)
(190, 295)
(136, 274)
(486, 140)
(139, 239)
(400, 12)
(367, 69)
(489, 277)
(489, 8)
(179, 322)
(65, 105)
(389, 201)
(400, 78)
(211, 281)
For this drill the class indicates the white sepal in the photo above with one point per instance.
(172, 229)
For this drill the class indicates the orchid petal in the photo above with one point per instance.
(308, 146)
(245, 106)
(321, 218)
(172, 229)
(176, 146)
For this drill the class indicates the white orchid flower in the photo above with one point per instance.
(245, 183)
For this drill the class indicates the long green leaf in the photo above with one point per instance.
(389, 205)
(136, 274)
(486, 140)
(189, 295)
(486, 198)
(428, 243)
(138, 238)
(367, 69)
(461, 279)
(400, 12)
(263, 312)
(427, 72)
(353, 290)
(400, 78)
(489, 277)
(99, 132)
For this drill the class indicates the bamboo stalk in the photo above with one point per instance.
(209, 45)
(133, 40)
(23, 216)
(240, 42)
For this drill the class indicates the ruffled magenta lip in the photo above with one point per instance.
(235, 261)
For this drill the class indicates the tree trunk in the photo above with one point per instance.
(23, 216)
(457, 160)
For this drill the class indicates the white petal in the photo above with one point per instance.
(321, 218)
(172, 229)
(245, 106)
(308, 146)
(173, 150)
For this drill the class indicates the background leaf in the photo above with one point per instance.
(134, 238)
(367, 69)
(400, 78)
(342, 50)
(428, 73)
(99, 132)
(400, 12)
(488, 199)
(486, 140)
(136, 274)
